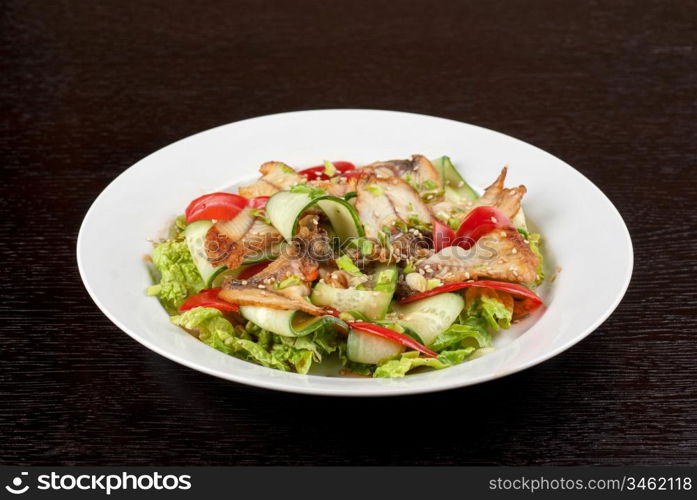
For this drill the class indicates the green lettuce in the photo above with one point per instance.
(251, 343)
(535, 242)
(178, 276)
(459, 334)
(490, 307)
(401, 364)
(213, 329)
(495, 312)
(176, 230)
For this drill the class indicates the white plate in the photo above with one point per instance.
(584, 234)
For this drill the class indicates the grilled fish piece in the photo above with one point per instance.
(277, 177)
(416, 171)
(501, 254)
(505, 199)
(338, 189)
(229, 242)
(261, 289)
(247, 295)
(382, 202)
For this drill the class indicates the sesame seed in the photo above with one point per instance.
(261, 286)
(493, 219)
(500, 261)
(503, 234)
(514, 251)
(467, 276)
(244, 282)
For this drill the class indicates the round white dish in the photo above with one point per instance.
(585, 237)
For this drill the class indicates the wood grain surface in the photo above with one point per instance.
(89, 88)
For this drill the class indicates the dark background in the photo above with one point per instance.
(91, 87)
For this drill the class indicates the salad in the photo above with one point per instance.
(390, 267)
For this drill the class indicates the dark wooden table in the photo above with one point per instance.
(91, 87)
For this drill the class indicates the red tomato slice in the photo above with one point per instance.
(443, 235)
(208, 298)
(317, 173)
(258, 202)
(479, 222)
(219, 206)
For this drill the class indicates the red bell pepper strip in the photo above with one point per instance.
(252, 270)
(529, 300)
(388, 334)
(220, 206)
(258, 202)
(477, 223)
(443, 235)
(383, 332)
(318, 173)
(208, 298)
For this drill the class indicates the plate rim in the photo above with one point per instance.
(309, 389)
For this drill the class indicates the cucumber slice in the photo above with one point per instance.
(454, 186)
(195, 235)
(285, 208)
(385, 278)
(373, 305)
(431, 316)
(370, 349)
(288, 323)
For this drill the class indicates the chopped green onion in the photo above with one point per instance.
(290, 281)
(346, 264)
(329, 168)
(305, 189)
(430, 185)
(432, 283)
(375, 189)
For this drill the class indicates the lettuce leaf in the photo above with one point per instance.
(496, 308)
(256, 345)
(179, 277)
(405, 362)
(459, 334)
(535, 242)
(176, 230)
(213, 329)
(496, 313)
